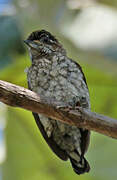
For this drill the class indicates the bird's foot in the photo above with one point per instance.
(65, 107)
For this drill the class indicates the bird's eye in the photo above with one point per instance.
(44, 39)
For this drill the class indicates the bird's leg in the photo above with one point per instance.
(65, 107)
(74, 104)
(71, 105)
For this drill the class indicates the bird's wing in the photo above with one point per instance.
(79, 67)
(52, 144)
(85, 139)
(85, 134)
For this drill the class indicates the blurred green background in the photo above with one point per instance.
(87, 29)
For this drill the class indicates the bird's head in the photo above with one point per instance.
(42, 43)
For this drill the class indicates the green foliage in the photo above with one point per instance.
(112, 3)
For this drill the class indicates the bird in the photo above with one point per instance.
(54, 75)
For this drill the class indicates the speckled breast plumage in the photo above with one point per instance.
(61, 80)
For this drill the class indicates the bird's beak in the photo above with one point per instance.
(27, 41)
(31, 43)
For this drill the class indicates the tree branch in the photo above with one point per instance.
(17, 96)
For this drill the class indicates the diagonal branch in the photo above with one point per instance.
(17, 96)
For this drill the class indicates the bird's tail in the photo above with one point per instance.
(80, 167)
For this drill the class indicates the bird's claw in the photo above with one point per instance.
(65, 108)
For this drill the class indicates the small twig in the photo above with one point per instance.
(17, 96)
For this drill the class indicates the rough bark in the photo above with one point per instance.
(17, 96)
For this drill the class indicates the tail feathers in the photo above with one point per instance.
(80, 167)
